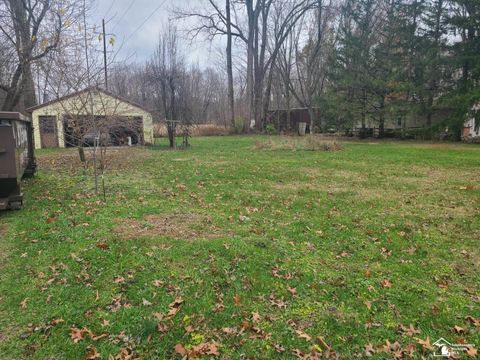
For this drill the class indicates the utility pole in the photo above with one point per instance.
(105, 54)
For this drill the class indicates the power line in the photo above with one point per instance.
(124, 13)
(110, 8)
(148, 18)
(138, 28)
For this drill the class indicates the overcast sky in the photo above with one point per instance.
(124, 18)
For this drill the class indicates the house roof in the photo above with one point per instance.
(92, 88)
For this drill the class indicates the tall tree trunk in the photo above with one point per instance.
(29, 97)
(381, 128)
(231, 95)
(363, 131)
(250, 62)
(311, 114)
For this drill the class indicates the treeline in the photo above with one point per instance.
(384, 64)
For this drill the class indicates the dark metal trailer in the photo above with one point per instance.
(17, 158)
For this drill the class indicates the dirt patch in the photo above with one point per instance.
(183, 226)
(3, 230)
(68, 160)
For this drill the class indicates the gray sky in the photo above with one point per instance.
(124, 18)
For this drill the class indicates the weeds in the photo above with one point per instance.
(310, 143)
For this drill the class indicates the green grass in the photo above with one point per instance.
(226, 222)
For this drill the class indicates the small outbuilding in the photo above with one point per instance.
(471, 128)
(89, 114)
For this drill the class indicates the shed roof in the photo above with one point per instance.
(92, 88)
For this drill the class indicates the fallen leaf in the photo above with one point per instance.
(57, 321)
(409, 331)
(23, 303)
(426, 344)
(323, 343)
(180, 349)
(255, 317)
(303, 335)
(205, 349)
(145, 302)
(119, 280)
(175, 306)
(92, 354)
(102, 246)
(237, 300)
(369, 350)
(368, 304)
(475, 322)
(458, 329)
(229, 331)
(471, 351)
(292, 291)
(386, 283)
(76, 334)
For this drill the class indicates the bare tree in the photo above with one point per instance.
(33, 29)
(251, 24)
(312, 57)
(167, 69)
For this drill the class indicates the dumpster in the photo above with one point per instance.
(16, 157)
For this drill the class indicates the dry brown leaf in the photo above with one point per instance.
(426, 344)
(303, 335)
(57, 321)
(475, 322)
(92, 354)
(180, 349)
(458, 329)
(162, 328)
(23, 303)
(409, 331)
(119, 280)
(237, 300)
(369, 350)
(102, 246)
(472, 351)
(175, 306)
(292, 291)
(386, 283)
(76, 334)
(323, 343)
(229, 331)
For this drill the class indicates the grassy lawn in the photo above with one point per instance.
(231, 251)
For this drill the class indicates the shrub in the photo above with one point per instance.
(270, 129)
(239, 125)
(316, 143)
(160, 130)
(311, 143)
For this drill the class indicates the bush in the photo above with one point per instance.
(270, 129)
(316, 143)
(239, 125)
(160, 130)
(310, 143)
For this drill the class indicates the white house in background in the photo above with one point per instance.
(471, 128)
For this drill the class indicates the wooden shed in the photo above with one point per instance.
(66, 121)
(279, 118)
